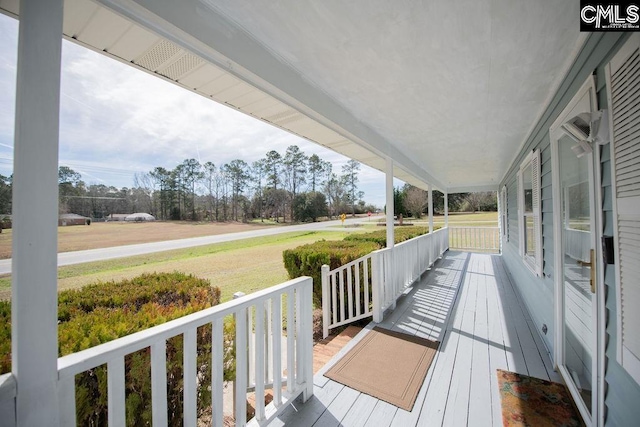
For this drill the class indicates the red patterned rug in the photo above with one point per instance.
(528, 401)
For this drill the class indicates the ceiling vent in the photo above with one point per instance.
(586, 129)
(159, 54)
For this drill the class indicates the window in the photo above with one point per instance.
(504, 214)
(529, 217)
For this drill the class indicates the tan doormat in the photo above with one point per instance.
(387, 365)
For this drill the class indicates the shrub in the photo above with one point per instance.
(380, 236)
(307, 260)
(103, 312)
(5, 337)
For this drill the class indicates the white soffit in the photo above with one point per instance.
(450, 90)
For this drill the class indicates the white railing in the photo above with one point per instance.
(397, 268)
(369, 285)
(264, 306)
(346, 293)
(577, 244)
(485, 239)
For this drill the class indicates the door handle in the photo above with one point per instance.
(592, 270)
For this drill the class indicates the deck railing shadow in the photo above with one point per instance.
(426, 309)
(310, 411)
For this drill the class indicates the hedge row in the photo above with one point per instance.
(380, 236)
(307, 260)
(103, 312)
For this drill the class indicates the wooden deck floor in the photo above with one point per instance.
(468, 303)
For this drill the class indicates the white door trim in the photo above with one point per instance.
(595, 416)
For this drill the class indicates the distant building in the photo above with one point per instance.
(73, 219)
(117, 217)
(140, 217)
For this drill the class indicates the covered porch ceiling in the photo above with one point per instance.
(449, 90)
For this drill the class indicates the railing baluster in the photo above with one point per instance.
(304, 341)
(307, 340)
(217, 372)
(241, 367)
(259, 361)
(268, 349)
(350, 312)
(299, 338)
(67, 401)
(333, 285)
(159, 383)
(291, 369)
(367, 282)
(115, 392)
(341, 285)
(376, 288)
(251, 374)
(276, 334)
(190, 354)
(326, 308)
(357, 288)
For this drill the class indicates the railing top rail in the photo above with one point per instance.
(474, 227)
(422, 236)
(100, 354)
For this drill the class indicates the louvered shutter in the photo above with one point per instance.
(537, 209)
(624, 82)
(534, 261)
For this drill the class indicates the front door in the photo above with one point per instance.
(575, 246)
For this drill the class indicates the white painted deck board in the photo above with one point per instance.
(338, 409)
(480, 396)
(468, 303)
(360, 411)
(382, 414)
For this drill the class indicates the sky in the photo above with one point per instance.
(116, 121)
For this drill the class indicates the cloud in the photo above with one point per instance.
(116, 121)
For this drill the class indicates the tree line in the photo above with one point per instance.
(289, 186)
(280, 187)
(412, 201)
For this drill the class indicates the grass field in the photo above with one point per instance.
(108, 234)
(243, 265)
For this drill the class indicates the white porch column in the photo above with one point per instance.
(430, 206)
(446, 209)
(390, 207)
(35, 213)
